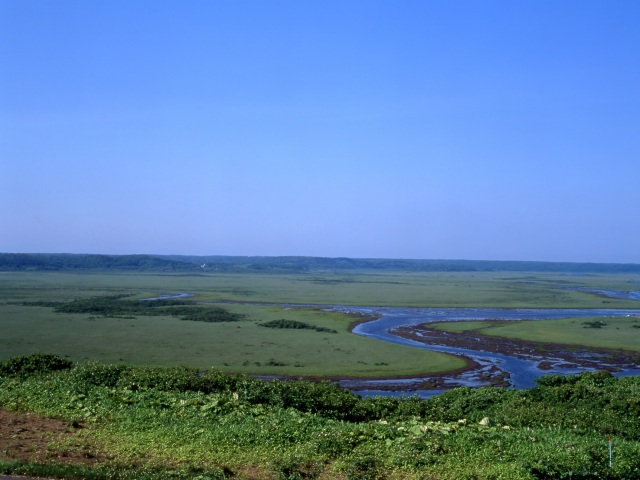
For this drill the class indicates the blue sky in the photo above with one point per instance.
(398, 129)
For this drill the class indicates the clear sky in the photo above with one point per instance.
(495, 130)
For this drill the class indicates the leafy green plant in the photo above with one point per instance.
(183, 423)
(34, 364)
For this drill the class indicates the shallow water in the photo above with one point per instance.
(522, 373)
(169, 296)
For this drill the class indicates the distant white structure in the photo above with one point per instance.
(203, 265)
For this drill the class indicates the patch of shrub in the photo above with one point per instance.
(35, 364)
(295, 324)
(99, 374)
(594, 324)
(115, 305)
(209, 314)
(276, 363)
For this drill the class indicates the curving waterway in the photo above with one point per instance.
(514, 370)
(520, 372)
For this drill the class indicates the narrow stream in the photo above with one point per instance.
(520, 372)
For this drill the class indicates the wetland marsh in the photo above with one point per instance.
(156, 387)
(327, 300)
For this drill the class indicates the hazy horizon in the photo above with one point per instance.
(362, 129)
(313, 256)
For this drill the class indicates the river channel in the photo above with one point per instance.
(512, 366)
(514, 370)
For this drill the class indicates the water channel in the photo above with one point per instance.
(521, 372)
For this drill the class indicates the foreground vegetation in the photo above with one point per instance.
(181, 423)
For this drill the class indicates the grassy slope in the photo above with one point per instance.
(149, 420)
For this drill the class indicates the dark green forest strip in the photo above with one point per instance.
(195, 264)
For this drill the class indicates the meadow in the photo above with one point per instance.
(241, 346)
(30, 326)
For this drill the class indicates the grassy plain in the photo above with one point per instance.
(246, 347)
(243, 346)
(467, 289)
(618, 333)
(239, 346)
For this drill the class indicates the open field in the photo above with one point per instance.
(238, 346)
(439, 289)
(247, 347)
(242, 346)
(610, 333)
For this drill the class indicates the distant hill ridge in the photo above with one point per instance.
(293, 264)
(67, 261)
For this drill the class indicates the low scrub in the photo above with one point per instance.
(39, 363)
(295, 324)
(185, 423)
(119, 306)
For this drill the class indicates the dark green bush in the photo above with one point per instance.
(116, 305)
(206, 314)
(99, 374)
(296, 325)
(594, 324)
(35, 364)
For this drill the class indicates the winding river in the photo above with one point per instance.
(521, 372)
(517, 370)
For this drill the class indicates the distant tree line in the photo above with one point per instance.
(62, 262)
(237, 264)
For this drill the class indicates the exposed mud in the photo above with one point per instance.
(30, 438)
(547, 355)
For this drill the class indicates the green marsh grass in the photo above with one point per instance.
(242, 346)
(246, 347)
(619, 332)
(469, 289)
